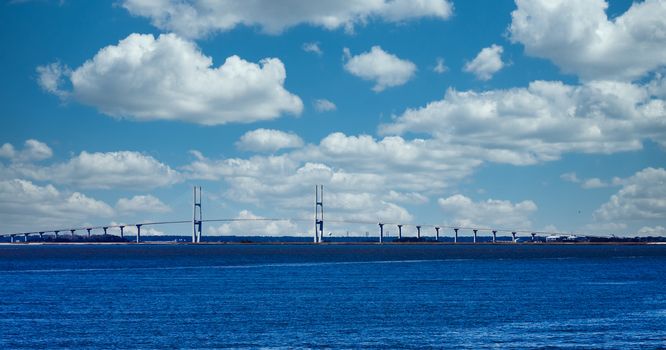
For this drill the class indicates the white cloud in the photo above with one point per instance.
(197, 18)
(51, 78)
(591, 183)
(250, 224)
(406, 197)
(27, 206)
(491, 213)
(142, 204)
(110, 170)
(579, 37)
(440, 67)
(384, 69)
(268, 140)
(642, 197)
(570, 177)
(168, 78)
(32, 151)
(324, 105)
(652, 231)
(313, 47)
(366, 179)
(594, 183)
(486, 63)
(541, 122)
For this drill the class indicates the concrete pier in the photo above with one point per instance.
(138, 233)
(399, 231)
(381, 233)
(455, 238)
(475, 230)
(494, 236)
(418, 232)
(437, 234)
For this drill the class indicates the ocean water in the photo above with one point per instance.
(332, 296)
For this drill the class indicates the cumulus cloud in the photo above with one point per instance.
(142, 204)
(324, 105)
(29, 207)
(268, 140)
(491, 213)
(570, 177)
(590, 183)
(366, 179)
(440, 67)
(33, 150)
(313, 47)
(168, 78)
(541, 122)
(110, 170)
(384, 69)
(249, 224)
(579, 37)
(642, 197)
(652, 231)
(197, 18)
(486, 63)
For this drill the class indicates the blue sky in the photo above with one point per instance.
(536, 115)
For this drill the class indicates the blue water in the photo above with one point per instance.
(345, 296)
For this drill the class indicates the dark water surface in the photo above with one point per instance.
(332, 296)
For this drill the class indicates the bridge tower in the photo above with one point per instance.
(197, 217)
(319, 214)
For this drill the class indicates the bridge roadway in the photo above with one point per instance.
(455, 229)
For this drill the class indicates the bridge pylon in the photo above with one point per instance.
(319, 214)
(197, 216)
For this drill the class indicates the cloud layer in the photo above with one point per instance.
(497, 213)
(642, 197)
(197, 18)
(24, 204)
(168, 78)
(541, 122)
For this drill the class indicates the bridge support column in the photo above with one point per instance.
(122, 233)
(437, 234)
(12, 238)
(105, 228)
(418, 232)
(88, 232)
(455, 238)
(514, 236)
(381, 233)
(475, 230)
(72, 232)
(25, 235)
(494, 236)
(533, 236)
(41, 236)
(138, 233)
(399, 232)
(56, 233)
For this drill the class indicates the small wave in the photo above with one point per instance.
(248, 266)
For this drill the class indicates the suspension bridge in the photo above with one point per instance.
(433, 233)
